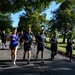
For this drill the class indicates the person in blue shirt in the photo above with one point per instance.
(21, 39)
(41, 39)
(14, 45)
(27, 39)
(54, 47)
(69, 46)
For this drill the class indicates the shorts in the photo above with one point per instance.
(40, 47)
(54, 48)
(27, 47)
(11, 46)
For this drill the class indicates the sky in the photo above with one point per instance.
(52, 7)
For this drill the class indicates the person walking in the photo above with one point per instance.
(14, 45)
(3, 39)
(21, 39)
(41, 38)
(69, 46)
(27, 45)
(54, 47)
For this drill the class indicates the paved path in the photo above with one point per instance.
(60, 66)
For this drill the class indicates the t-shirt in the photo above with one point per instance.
(41, 38)
(54, 39)
(3, 36)
(27, 37)
(14, 42)
(69, 42)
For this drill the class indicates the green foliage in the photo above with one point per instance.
(5, 22)
(64, 18)
(73, 32)
(33, 9)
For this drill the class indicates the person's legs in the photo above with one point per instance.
(20, 45)
(38, 49)
(42, 56)
(2, 45)
(5, 43)
(29, 56)
(14, 55)
(37, 54)
(55, 51)
(70, 55)
(67, 50)
(24, 54)
(52, 54)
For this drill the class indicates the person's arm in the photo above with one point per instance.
(52, 41)
(25, 39)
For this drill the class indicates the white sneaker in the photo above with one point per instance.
(14, 63)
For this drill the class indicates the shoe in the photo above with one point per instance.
(5, 45)
(2, 48)
(51, 59)
(14, 63)
(23, 58)
(36, 58)
(42, 61)
(63, 55)
(28, 62)
(70, 61)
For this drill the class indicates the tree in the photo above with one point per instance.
(5, 22)
(64, 17)
(30, 6)
(33, 20)
(17, 5)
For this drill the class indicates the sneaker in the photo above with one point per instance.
(2, 48)
(51, 59)
(23, 58)
(36, 58)
(5, 45)
(42, 61)
(70, 61)
(63, 55)
(14, 63)
(28, 62)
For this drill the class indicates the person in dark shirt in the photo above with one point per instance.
(21, 39)
(69, 46)
(3, 38)
(27, 44)
(41, 38)
(54, 47)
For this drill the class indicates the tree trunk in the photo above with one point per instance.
(64, 38)
(64, 35)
